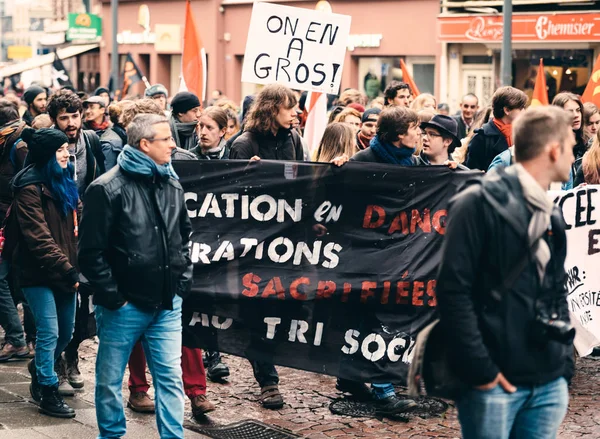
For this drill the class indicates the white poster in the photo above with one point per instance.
(581, 210)
(301, 48)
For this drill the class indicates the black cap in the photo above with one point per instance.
(184, 101)
(446, 125)
(42, 144)
(370, 115)
(31, 93)
(101, 90)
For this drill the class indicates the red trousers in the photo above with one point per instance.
(192, 366)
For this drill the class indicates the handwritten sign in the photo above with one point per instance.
(301, 48)
(581, 210)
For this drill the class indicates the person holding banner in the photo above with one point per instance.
(212, 129)
(186, 110)
(501, 288)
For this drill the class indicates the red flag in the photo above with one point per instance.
(592, 91)
(193, 61)
(540, 92)
(408, 79)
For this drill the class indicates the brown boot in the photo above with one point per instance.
(140, 402)
(9, 351)
(200, 405)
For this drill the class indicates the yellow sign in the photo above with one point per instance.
(19, 52)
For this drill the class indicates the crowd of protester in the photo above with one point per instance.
(77, 176)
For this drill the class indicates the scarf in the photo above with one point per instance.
(215, 153)
(505, 129)
(184, 133)
(102, 126)
(391, 154)
(134, 161)
(541, 207)
(362, 141)
(120, 131)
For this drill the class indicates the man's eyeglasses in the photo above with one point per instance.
(430, 134)
(161, 139)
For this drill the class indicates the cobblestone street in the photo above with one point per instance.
(306, 412)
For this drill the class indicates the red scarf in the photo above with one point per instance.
(362, 141)
(99, 126)
(505, 129)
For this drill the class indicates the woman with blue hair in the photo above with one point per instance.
(45, 257)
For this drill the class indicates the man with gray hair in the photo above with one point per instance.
(133, 249)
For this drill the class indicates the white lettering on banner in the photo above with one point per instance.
(204, 320)
(545, 28)
(301, 48)
(374, 347)
(583, 256)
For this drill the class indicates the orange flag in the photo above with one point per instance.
(592, 91)
(408, 79)
(540, 92)
(193, 61)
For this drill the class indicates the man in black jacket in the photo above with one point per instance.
(501, 288)
(468, 107)
(268, 132)
(494, 137)
(133, 249)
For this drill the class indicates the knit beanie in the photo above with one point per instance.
(370, 112)
(31, 93)
(43, 143)
(184, 101)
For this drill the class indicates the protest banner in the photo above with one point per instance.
(579, 207)
(307, 265)
(301, 48)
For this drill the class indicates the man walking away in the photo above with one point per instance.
(133, 249)
(501, 288)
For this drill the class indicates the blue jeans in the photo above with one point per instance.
(532, 412)
(160, 332)
(55, 319)
(9, 317)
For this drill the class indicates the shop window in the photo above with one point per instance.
(424, 76)
(477, 59)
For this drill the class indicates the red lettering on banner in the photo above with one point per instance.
(250, 281)
(347, 290)
(437, 221)
(367, 223)
(423, 223)
(399, 223)
(431, 293)
(402, 290)
(298, 295)
(367, 290)
(274, 287)
(325, 289)
(417, 293)
(385, 296)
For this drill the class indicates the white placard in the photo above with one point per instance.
(301, 48)
(581, 210)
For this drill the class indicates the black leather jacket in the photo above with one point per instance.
(133, 243)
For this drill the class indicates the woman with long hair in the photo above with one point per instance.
(46, 208)
(591, 122)
(424, 101)
(589, 171)
(338, 140)
(211, 133)
(351, 117)
(233, 124)
(481, 117)
(573, 104)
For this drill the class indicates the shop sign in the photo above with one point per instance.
(364, 40)
(146, 37)
(168, 38)
(19, 52)
(301, 48)
(84, 27)
(525, 28)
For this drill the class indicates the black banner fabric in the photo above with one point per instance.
(315, 267)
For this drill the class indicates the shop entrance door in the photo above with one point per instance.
(479, 81)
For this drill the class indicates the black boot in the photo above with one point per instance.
(34, 387)
(53, 405)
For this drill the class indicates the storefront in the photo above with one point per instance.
(567, 43)
(376, 44)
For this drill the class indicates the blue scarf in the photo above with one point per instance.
(391, 154)
(134, 161)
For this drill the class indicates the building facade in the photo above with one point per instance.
(382, 33)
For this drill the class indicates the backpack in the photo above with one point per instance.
(10, 231)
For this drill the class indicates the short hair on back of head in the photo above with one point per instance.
(64, 100)
(142, 127)
(537, 127)
(142, 106)
(395, 121)
(392, 90)
(507, 97)
(8, 112)
(266, 107)
(350, 96)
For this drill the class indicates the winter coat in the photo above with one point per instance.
(485, 145)
(46, 251)
(11, 162)
(490, 333)
(462, 128)
(112, 144)
(133, 243)
(287, 145)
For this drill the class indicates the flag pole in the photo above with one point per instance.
(114, 5)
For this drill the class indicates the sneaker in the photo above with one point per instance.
(34, 388)
(73, 375)
(200, 406)
(140, 402)
(53, 405)
(358, 390)
(392, 405)
(9, 351)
